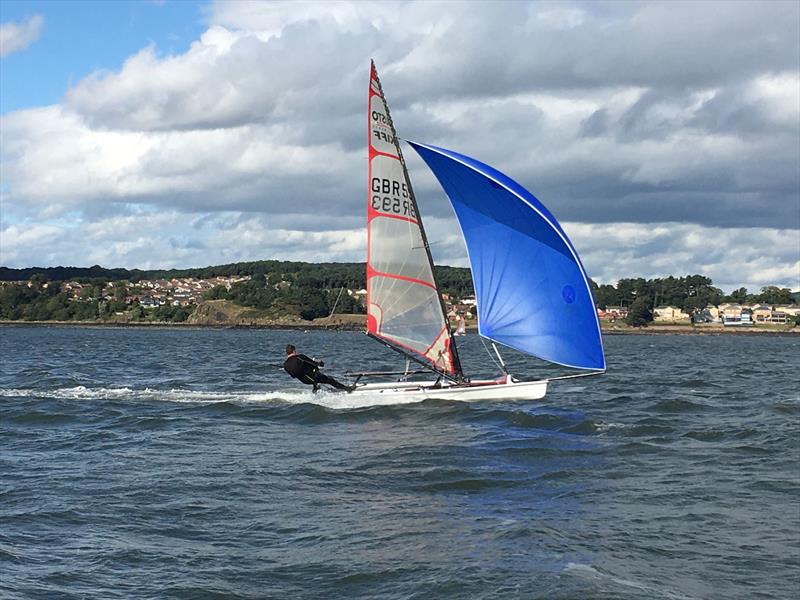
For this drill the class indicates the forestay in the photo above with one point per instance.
(403, 305)
(531, 288)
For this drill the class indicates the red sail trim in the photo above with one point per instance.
(448, 369)
(446, 347)
(371, 272)
(450, 360)
(373, 325)
(374, 214)
(438, 337)
(373, 152)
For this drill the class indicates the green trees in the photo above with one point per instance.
(308, 290)
(218, 292)
(689, 293)
(256, 293)
(606, 295)
(639, 314)
(770, 294)
(774, 295)
(739, 296)
(348, 305)
(39, 303)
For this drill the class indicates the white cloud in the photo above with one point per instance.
(183, 240)
(57, 164)
(251, 144)
(15, 37)
(733, 257)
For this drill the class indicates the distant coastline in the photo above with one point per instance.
(347, 323)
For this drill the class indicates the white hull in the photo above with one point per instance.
(479, 390)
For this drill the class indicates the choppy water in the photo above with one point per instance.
(183, 464)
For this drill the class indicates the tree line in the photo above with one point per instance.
(44, 301)
(280, 288)
(313, 290)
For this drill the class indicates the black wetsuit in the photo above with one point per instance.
(306, 370)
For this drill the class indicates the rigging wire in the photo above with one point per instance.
(336, 303)
(496, 364)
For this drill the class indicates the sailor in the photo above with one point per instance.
(306, 369)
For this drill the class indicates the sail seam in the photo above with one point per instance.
(376, 273)
(375, 214)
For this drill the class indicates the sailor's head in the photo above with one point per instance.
(290, 349)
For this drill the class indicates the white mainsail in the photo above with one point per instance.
(404, 308)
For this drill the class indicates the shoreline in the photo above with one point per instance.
(181, 325)
(689, 330)
(357, 326)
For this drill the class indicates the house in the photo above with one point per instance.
(762, 313)
(182, 299)
(358, 295)
(466, 310)
(616, 312)
(730, 309)
(670, 314)
(732, 314)
(779, 317)
(791, 310)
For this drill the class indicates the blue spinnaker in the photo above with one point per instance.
(532, 291)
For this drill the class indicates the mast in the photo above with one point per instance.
(444, 341)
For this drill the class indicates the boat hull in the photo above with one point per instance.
(475, 391)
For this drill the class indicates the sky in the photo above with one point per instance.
(664, 136)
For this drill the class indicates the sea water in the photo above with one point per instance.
(184, 463)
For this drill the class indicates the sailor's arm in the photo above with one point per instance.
(310, 361)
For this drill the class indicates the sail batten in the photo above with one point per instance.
(532, 291)
(404, 308)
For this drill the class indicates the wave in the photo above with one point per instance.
(623, 584)
(331, 400)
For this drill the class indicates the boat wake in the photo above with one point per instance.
(332, 400)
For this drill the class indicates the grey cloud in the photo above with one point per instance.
(186, 243)
(732, 111)
(595, 125)
(503, 46)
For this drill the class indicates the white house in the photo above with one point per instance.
(670, 314)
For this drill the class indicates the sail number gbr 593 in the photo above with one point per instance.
(390, 196)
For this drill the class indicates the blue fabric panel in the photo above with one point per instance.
(532, 291)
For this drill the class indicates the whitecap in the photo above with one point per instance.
(332, 400)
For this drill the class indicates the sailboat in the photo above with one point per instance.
(461, 328)
(532, 291)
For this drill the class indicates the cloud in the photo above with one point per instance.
(733, 257)
(184, 240)
(678, 117)
(16, 37)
